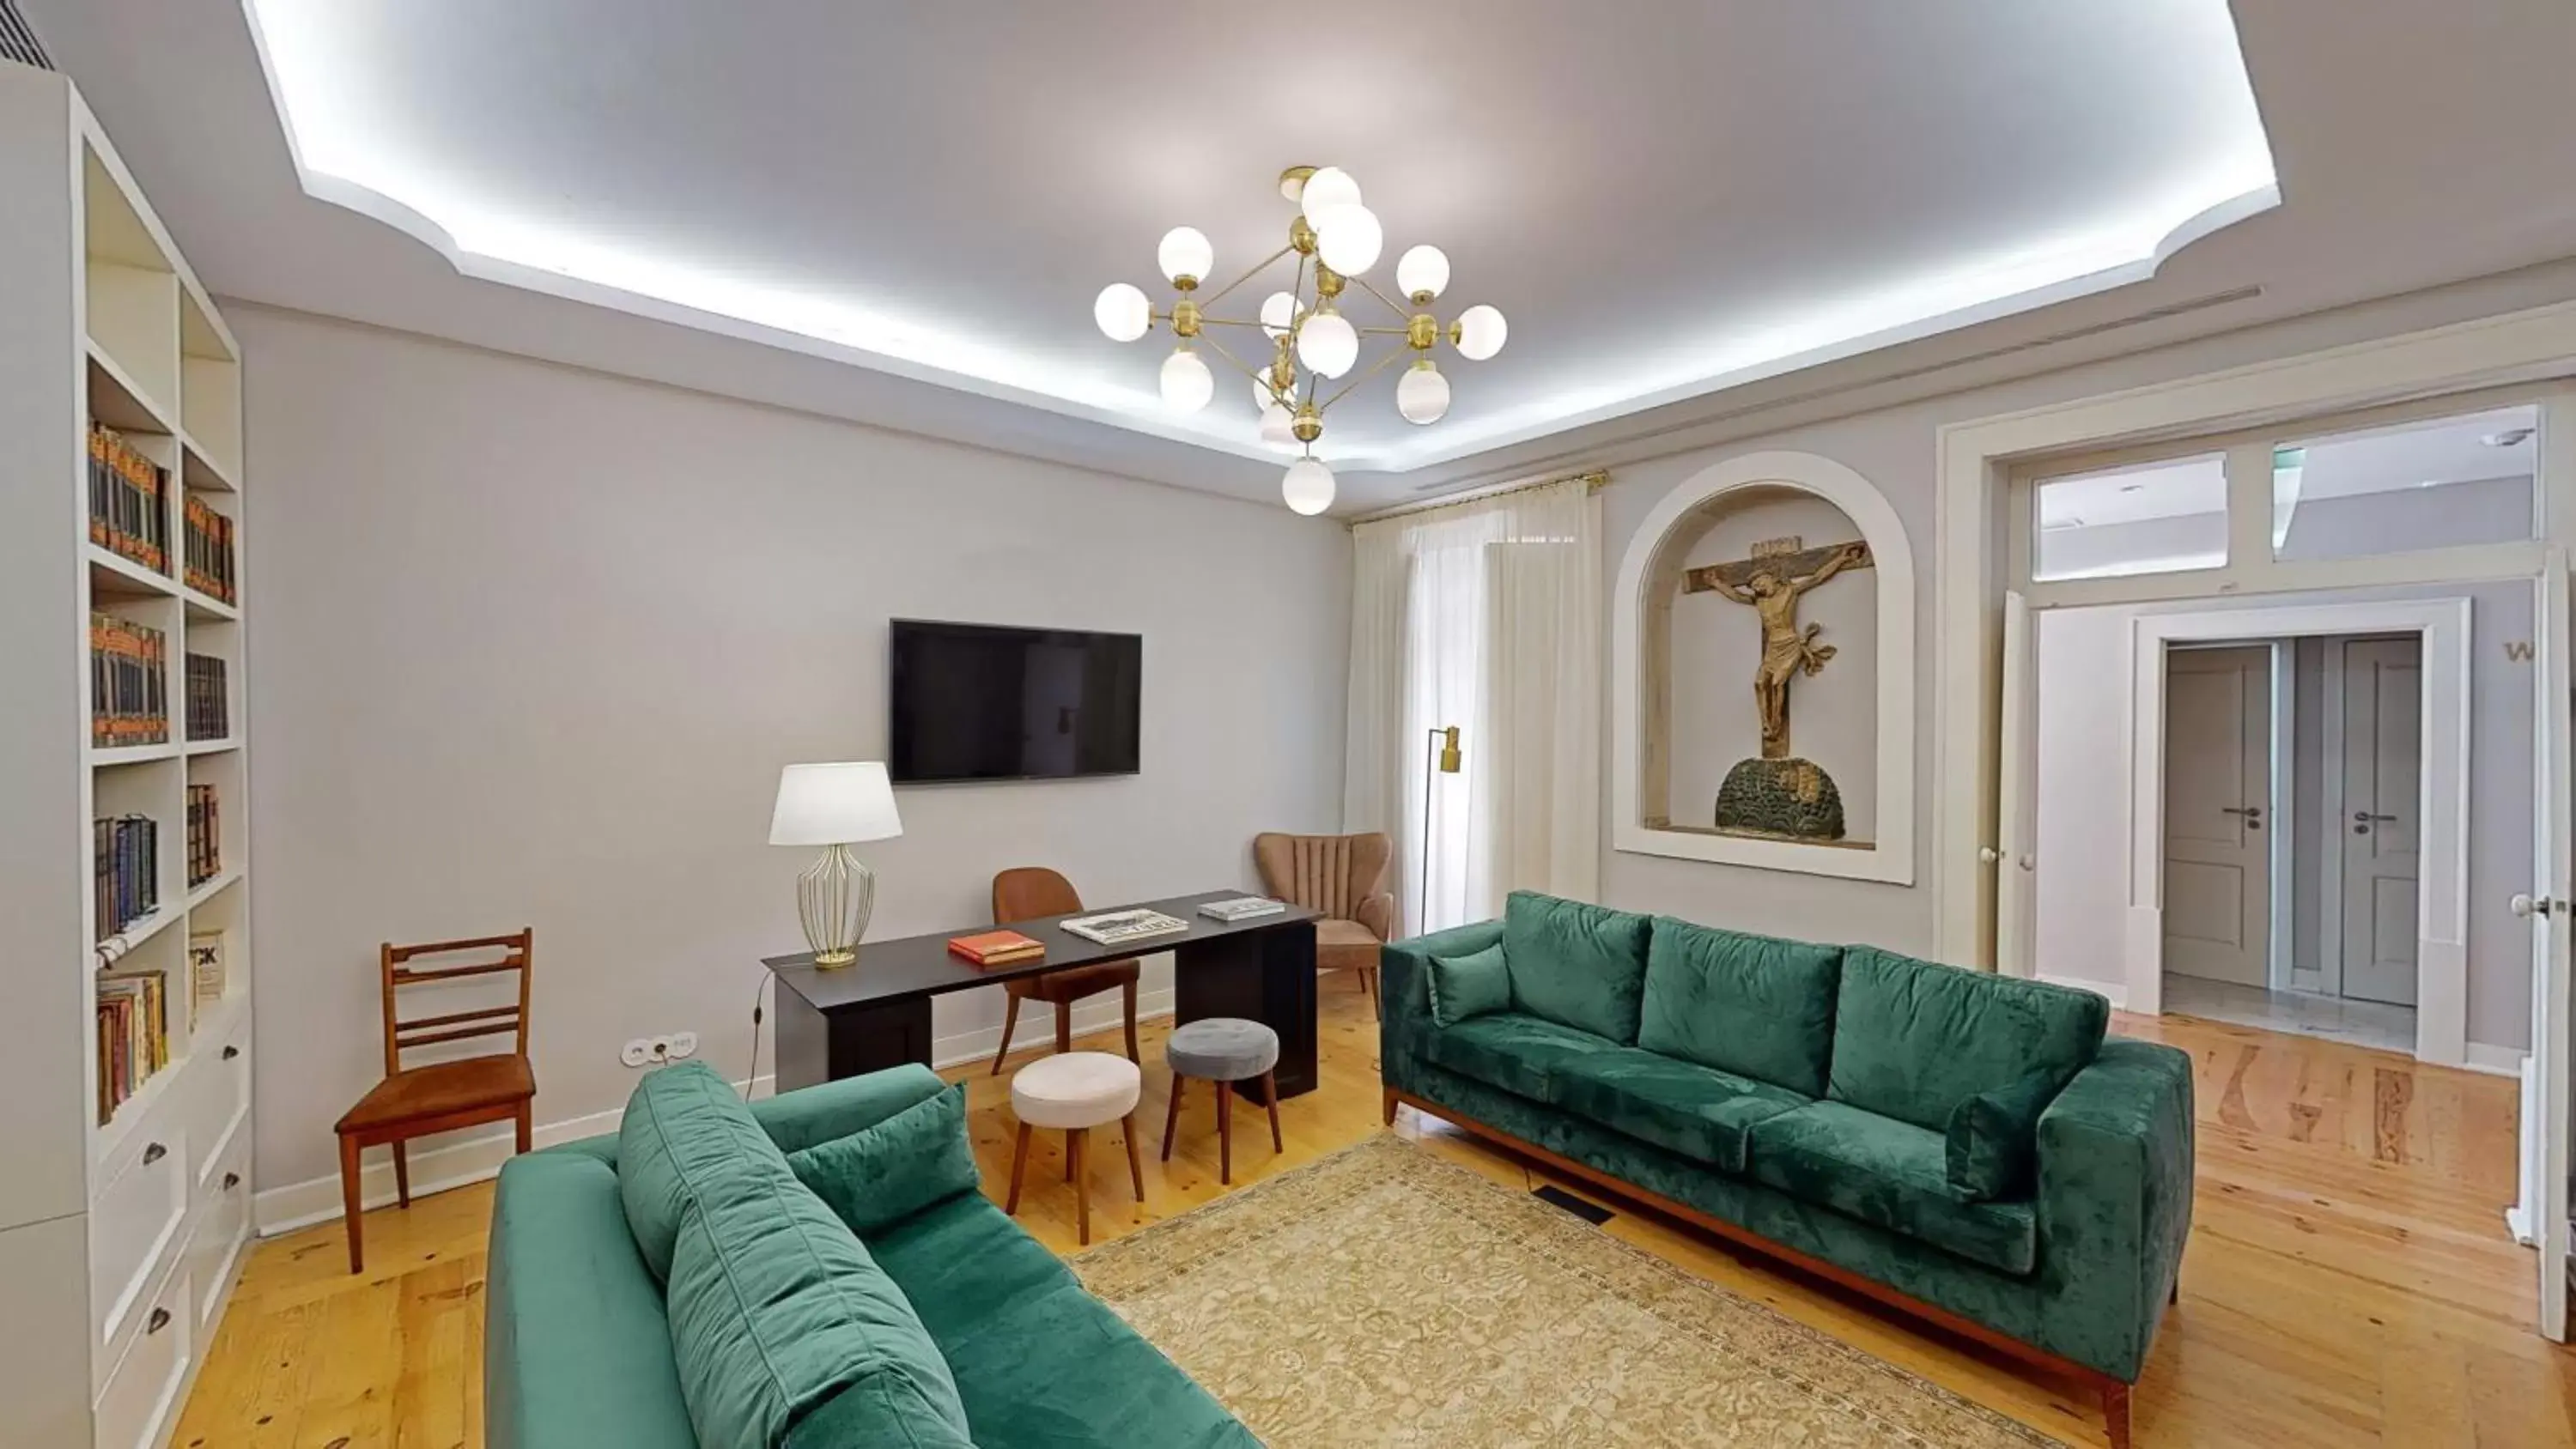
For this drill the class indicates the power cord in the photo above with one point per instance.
(751, 1082)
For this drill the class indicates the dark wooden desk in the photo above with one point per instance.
(876, 1014)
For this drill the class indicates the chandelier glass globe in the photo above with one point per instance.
(1278, 313)
(1187, 383)
(1308, 486)
(1348, 238)
(1185, 253)
(1328, 344)
(1423, 394)
(1276, 426)
(1327, 188)
(1422, 272)
(1480, 333)
(1122, 312)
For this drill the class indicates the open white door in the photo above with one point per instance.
(2014, 855)
(2542, 1214)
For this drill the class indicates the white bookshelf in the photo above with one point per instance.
(121, 1232)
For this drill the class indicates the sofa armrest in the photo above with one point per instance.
(1377, 912)
(2115, 1193)
(799, 1119)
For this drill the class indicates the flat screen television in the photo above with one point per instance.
(981, 702)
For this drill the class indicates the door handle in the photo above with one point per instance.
(2365, 817)
(2253, 814)
(2529, 906)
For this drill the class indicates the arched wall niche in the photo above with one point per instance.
(1683, 664)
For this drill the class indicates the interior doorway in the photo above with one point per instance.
(2292, 837)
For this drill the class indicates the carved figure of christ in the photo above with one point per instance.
(1771, 579)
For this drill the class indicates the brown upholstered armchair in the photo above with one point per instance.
(1344, 876)
(1024, 893)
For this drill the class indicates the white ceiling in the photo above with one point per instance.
(1700, 195)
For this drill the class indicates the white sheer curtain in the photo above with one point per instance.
(1485, 615)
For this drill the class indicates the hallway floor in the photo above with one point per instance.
(2373, 1024)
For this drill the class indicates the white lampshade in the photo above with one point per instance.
(1276, 424)
(1278, 313)
(1480, 333)
(1185, 253)
(1328, 344)
(1122, 312)
(1330, 187)
(1308, 486)
(1422, 272)
(834, 805)
(1348, 238)
(1422, 395)
(1187, 383)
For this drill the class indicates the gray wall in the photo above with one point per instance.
(530, 645)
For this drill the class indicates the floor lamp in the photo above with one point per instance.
(1445, 742)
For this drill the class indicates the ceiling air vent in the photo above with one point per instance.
(18, 38)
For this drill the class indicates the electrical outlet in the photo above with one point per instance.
(684, 1045)
(660, 1047)
(636, 1053)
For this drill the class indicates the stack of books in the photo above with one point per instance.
(133, 1035)
(205, 836)
(209, 704)
(128, 689)
(206, 562)
(996, 948)
(1241, 908)
(125, 859)
(129, 498)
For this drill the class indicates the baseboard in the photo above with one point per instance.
(476, 1159)
(2116, 992)
(2495, 1061)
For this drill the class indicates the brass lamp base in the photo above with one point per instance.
(834, 898)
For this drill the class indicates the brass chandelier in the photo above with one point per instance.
(1334, 241)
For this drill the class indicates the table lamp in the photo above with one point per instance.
(834, 806)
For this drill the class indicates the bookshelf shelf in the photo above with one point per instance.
(198, 895)
(116, 755)
(143, 928)
(116, 400)
(212, 747)
(114, 576)
(202, 607)
(197, 468)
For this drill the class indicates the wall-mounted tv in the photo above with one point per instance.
(981, 702)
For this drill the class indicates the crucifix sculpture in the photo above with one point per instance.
(1778, 794)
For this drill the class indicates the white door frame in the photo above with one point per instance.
(2442, 885)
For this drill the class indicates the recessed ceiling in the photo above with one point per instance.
(1691, 197)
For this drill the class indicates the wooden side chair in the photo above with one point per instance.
(1026, 892)
(441, 1096)
(1344, 876)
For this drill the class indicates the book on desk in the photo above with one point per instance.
(996, 948)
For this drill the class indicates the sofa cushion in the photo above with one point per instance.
(1577, 965)
(1513, 1051)
(1757, 1006)
(1991, 1144)
(1038, 1361)
(1913, 1039)
(890, 1171)
(775, 1309)
(1696, 1111)
(1477, 984)
(1891, 1175)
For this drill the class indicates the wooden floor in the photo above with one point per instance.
(2349, 1280)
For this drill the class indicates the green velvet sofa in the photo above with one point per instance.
(695, 1282)
(1967, 1147)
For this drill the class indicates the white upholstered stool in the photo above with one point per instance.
(1076, 1091)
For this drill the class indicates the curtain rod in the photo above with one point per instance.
(1597, 479)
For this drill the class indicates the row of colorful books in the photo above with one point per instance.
(133, 1035)
(205, 836)
(128, 688)
(209, 702)
(206, 558)
(125, 860)
(129, 500)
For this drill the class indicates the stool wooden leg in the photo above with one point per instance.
(402, 1175)
(1128, 995)
(1270, 1094)
(350, 1213)
(1073, 1144)
(1172, 1115)
(1225, 1132)
(1135, 1165)
(1019, 1164)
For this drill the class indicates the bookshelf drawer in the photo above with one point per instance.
(143, 1392)
(222, 1233)
(218, 1095)
(134, 1222)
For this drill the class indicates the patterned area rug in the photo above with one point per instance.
(1383, 1296)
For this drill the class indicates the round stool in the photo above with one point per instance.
(1076, 1091)
(1224, 1050)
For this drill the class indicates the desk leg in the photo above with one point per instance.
(815, 1047)
(1267, 976)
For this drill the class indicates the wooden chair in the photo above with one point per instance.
(442, 1096)
(1344, 876)
(1024, 893)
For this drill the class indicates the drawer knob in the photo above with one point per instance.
(154, 1153)
(231, 1180)
(159, 1320)
(231, 1052)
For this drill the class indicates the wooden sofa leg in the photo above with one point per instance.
(2115, 1413)
(1389, 1095)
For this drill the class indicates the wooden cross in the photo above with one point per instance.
(1771, 578)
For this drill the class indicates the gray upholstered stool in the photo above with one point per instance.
(1224, 1050)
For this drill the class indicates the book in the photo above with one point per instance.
(133, 1035)
(209, 703)
(205, 836)
(129, 693)
(996, 948)
(125, 862)
(206, 559)
(1241, 908)
(1117, 928)
(206, 969)
(129, 497)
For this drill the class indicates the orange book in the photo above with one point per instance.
(996, 948)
